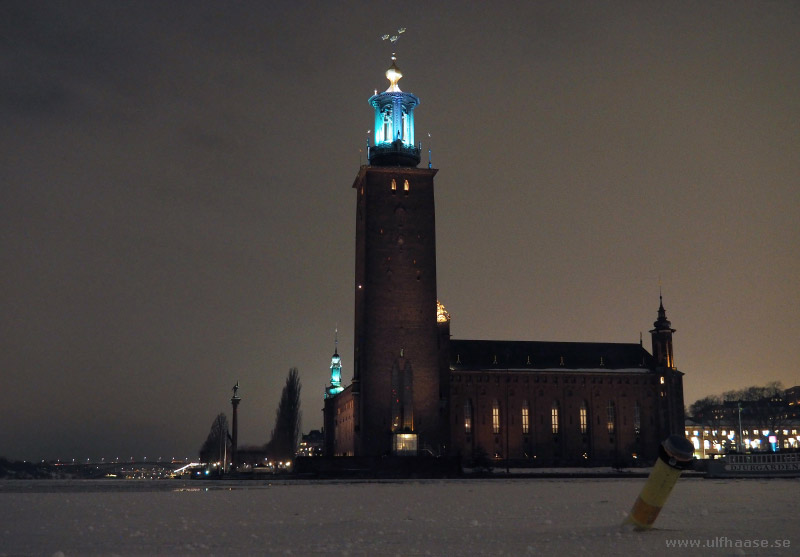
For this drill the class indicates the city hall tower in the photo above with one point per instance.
(398, 401)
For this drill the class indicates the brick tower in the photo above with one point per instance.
(670, 401)
(398, 402)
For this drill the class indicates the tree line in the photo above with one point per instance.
(761, 406)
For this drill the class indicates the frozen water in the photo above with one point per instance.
(432, 517)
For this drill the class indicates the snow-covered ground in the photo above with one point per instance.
(430, 517)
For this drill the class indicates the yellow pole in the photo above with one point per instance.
(674, 456)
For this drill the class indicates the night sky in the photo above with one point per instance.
(176, 210)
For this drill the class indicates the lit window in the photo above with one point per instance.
(405, 185)
(611, 412)
(468, 416)
(525, 416)
(405, 443)
(584, 417)
(495, 417)
(394, 185)
(554, 417)
(662, 378)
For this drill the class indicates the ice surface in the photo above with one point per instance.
(432, 517)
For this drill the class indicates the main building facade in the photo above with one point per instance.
(415, 389)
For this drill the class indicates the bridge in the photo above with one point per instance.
(133, 469)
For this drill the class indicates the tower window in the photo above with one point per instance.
(394, 184)
(525, 417)
(495, 417)
(387, 126)
(584, 417)
(405, 186)
(611, 412)
(468, 416)
(554, 417)
(637, 418)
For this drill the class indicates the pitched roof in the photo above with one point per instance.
(468, 355)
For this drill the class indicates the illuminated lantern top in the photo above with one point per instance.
(394, 124)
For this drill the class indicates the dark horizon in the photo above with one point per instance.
(177, 212)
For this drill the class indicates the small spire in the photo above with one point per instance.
(662, 323)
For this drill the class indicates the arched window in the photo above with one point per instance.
(554, 417)
(525, 417)
(495, 416)
(405, 186)
(394, 184)
(387, 126)
(611, 413)
(584, 417)
(468, 416)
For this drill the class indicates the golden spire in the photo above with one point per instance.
(393, 74)
(442, 316)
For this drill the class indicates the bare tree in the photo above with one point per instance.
(760, 406)
(217, 445)
(755, 393)
(708, 411)
(286, 434)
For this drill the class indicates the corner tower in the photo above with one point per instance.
(336, 371)
(662, 338)
(670, 382)
(398, 400)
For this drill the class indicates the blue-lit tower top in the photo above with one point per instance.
(336, 371)
(394, 124)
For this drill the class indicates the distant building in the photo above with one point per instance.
(792, 398)
(311, 444)
(416, 390)
(712, 441)
(771, 424)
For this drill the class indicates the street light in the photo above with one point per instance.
(739, 444)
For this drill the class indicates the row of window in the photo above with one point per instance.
(583, 417)
(405, 185)
(544, 379)
(725, 433)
